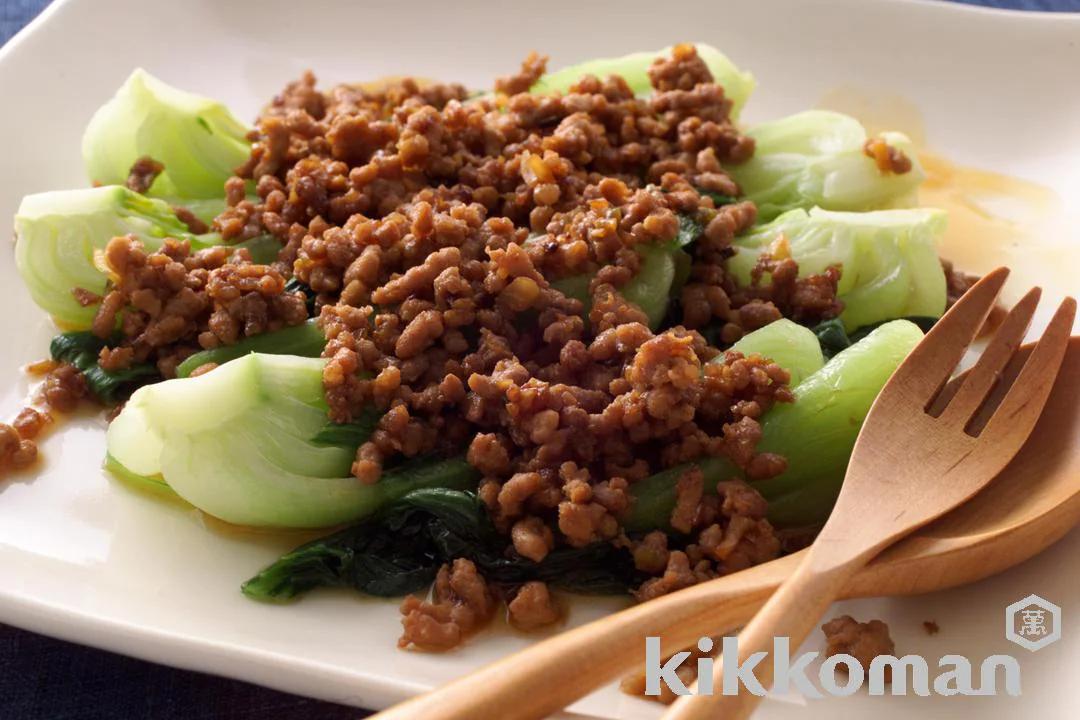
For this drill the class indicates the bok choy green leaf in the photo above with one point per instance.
(401, 549)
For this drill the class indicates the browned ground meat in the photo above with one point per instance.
(84, 297)
(461, 603)
(18, 448)
(863, 641)
(730, 534)
(888, 159)
(531, 69)
(173, 302)
(63, 388)
(533, 607)
(957, 283)
(143, 173)
(30, 422)
(434, 230)
(16, 452)
(194, 224)
(203, 369)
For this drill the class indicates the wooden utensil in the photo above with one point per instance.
(917, 457)
(1030, 505)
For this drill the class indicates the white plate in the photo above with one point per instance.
(86, 559)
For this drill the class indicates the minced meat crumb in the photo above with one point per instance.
(143, 173)
(461, 603)
(533, 607)
(531, 69)
(889, 159)
(173, 302)
(63, 388)
(18, 448)
(957, 283)
(194, 224)
(728, 530)
(863, 641)
(16, 452)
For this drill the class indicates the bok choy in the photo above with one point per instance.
(816, 159)
(816, 434)
(399, 551)
(888, 258)
(197, 139)
(246, 443)
(58, 235)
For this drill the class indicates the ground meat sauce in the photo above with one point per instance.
(432, 229)
(61, 391)
(194, 225)
(143, 173)
(862, 641)
(461, 603)
(957, 283)
(172, 302)
(17, 447)
(889, 159)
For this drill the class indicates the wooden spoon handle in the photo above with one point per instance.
(792, 613)
(548, 676)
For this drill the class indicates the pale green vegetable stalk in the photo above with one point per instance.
(816, 434)
(303, 340)
(57, 234)
(816, 158)
(888, 258)
(198, 140)
(240, 444)
(634, 69)
(790, 345)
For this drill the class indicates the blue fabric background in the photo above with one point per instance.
(46, 679)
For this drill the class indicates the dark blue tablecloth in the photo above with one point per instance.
(46, 679)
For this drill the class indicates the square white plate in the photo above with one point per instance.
(87, 559)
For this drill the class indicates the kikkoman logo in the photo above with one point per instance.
(1032, 623)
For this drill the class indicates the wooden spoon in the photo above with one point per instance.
(1030, 505)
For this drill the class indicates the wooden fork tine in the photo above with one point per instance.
(993, 399)
(1024, 401)
(947, 341)
(992, 362)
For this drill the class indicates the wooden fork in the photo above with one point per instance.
(921, 453)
